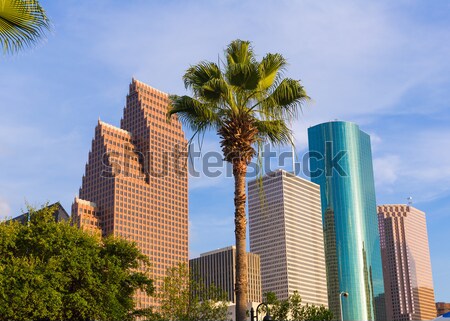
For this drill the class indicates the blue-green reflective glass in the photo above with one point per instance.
(342, 154)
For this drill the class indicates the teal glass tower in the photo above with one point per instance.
(341, 163)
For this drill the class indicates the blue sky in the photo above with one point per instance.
(384, 65)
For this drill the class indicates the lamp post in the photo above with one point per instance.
(342, 294)
(267, 317)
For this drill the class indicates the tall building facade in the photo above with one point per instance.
(218, 268)
(406, 263)
(341, 164)
(285, 223)
(135, 182)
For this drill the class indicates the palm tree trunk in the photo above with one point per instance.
(240, 222)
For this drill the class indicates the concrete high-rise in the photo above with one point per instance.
(218, 268)
(285, 223)
(406, 263)
(135, 184)
(341, 163)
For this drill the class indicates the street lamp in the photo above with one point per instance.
(342, 294)
(267, 316)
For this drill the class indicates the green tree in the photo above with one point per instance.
(55, 271)
(315, 313)
(296, 308)
(183, 298)
(293, 310)
(22, 23)
(248, 103)
(279, 310)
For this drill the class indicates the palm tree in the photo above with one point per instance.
(22, 23)
(248, 103)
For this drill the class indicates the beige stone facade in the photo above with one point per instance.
(135, 183)
(406, 263)
(285, 222)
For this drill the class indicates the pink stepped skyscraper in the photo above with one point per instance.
(135, 185)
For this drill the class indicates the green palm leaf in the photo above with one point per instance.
(271, 69)
(275, 132)
(22, 24)
(240, 52)
(192, 113)
(285, 101)
(196, 76)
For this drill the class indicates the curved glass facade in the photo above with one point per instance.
(341, 163)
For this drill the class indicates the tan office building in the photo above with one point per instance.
(285, 222)
(219, 268)
(406, 263)
(135, 184)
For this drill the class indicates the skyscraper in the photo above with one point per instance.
(406, 263)
(219, 268)
(285, 223)
(135, 184)
(341, 163)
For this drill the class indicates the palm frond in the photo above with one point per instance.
(285, 101)
(22, 24)
(271, 69)
(240, 52)
(215, 89)
(275, 132)
(244, 76)
(241, 69)
(198, 75)
(198, 116)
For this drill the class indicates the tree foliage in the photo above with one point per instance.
(183, 298)
(293, 310)
(55, 271)
(22, 24)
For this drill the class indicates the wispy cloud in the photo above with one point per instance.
(386, 170)
(413, 163)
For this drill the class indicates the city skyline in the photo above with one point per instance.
(382, 65)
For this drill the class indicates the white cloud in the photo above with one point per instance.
(376, 142)
(342, 51)
(414, 163)
(386, 169)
